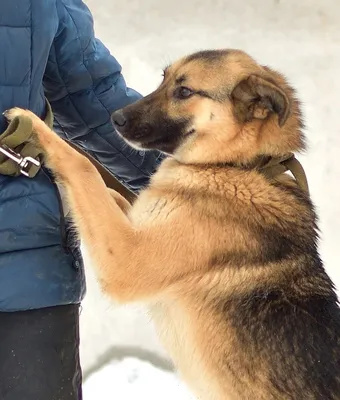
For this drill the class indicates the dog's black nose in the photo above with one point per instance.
(118, 119)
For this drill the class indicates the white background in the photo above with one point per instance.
(301, 38)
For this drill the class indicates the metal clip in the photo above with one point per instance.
(23, 162)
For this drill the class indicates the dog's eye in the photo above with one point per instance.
(183, 92)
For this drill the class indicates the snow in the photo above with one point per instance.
(301, 39)
(130, 379)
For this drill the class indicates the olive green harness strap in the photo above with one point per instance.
(275, 166)
(18, 155)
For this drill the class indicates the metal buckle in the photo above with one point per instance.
(23, 162)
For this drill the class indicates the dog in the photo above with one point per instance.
(225, 256)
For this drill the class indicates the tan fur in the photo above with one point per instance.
(183, 245)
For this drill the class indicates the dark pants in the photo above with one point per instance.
(39, 354)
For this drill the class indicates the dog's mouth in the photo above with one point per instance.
(152, 133)
(190, 132)
(156, 142)
(165, 139)
(167, 143)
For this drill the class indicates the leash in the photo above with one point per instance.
(18, 156)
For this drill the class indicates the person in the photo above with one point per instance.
(48, 49)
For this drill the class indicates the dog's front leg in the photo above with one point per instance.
(102, 225)
(123, 204)
(132, 264)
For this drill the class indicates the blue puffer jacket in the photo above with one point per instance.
(48, 48)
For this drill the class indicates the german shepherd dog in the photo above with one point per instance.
(225, 256)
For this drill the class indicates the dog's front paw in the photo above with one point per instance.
(42, 134)
(14, 112)
(38, 127)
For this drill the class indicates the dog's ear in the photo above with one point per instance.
(256, 97)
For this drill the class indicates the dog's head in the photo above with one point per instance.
(215, 106)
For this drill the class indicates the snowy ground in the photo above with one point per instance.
(131, 379)
(302, 39)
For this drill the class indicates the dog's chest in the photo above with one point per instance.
(149, 209)
(172, 326)
(178, 337)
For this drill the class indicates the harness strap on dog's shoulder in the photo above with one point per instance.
(279, 165)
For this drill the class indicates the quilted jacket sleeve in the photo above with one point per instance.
(84, 84)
